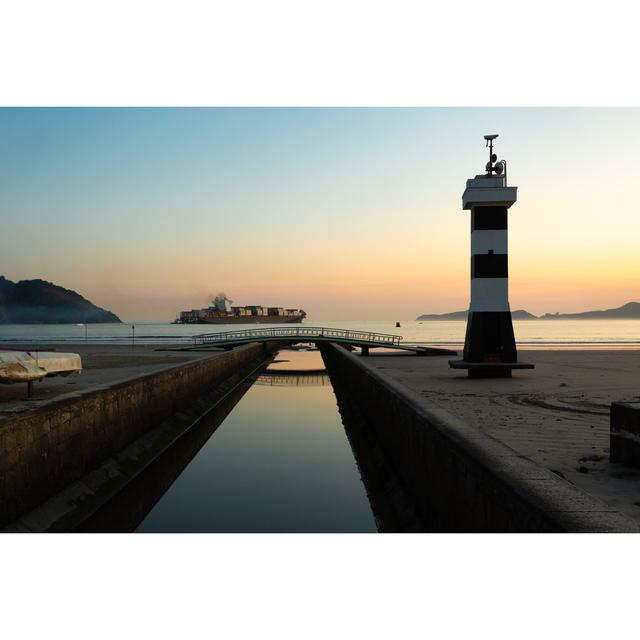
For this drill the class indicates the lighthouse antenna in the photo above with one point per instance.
(489, 143)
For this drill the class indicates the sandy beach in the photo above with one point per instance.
(102, 364)
(556, 414)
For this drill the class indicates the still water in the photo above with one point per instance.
(279, 462)
(529, 333)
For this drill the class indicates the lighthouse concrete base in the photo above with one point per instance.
(489, 369)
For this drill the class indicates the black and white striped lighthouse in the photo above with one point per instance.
(489, 346)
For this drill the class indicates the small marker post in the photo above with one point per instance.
(83, 324)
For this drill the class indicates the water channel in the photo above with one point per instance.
(273, 458)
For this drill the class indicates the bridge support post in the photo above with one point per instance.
(364, 351)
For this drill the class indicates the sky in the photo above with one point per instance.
(347, 213)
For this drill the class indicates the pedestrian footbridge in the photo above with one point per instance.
(365, 340)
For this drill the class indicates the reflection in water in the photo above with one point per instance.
(127, 509)
(294, 379)
(278, 461)
(390, 503)
(272, 457)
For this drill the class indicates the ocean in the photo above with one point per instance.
(530, 334)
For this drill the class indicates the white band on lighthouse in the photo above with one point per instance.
(489, 294)
(483, 241)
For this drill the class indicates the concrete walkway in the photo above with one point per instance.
(557, 414)
(102, 364)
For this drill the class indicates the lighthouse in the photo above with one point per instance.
(489, 346)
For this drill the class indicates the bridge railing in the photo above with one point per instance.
(276, 333)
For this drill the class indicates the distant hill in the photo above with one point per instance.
(520, 314)
(41, 302)
(454, 315)
(628, 311)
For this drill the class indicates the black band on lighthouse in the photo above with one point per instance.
(489, 265)
(490, 338)
(483, 218)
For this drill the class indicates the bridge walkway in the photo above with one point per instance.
(291, 335)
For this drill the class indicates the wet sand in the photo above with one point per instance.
(102, 364)
(556, 414)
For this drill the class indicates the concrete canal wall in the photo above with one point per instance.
(458, 478)
(47, 448)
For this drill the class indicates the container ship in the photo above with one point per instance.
(223, 313)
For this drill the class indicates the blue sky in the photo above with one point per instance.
(349, 213)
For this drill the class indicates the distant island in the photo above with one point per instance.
(520, 314)
(629, 311)
(41, 302)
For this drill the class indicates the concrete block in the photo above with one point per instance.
(624, 433)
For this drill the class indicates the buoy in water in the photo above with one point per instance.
(397, 324)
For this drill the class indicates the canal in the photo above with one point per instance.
(274, 457)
